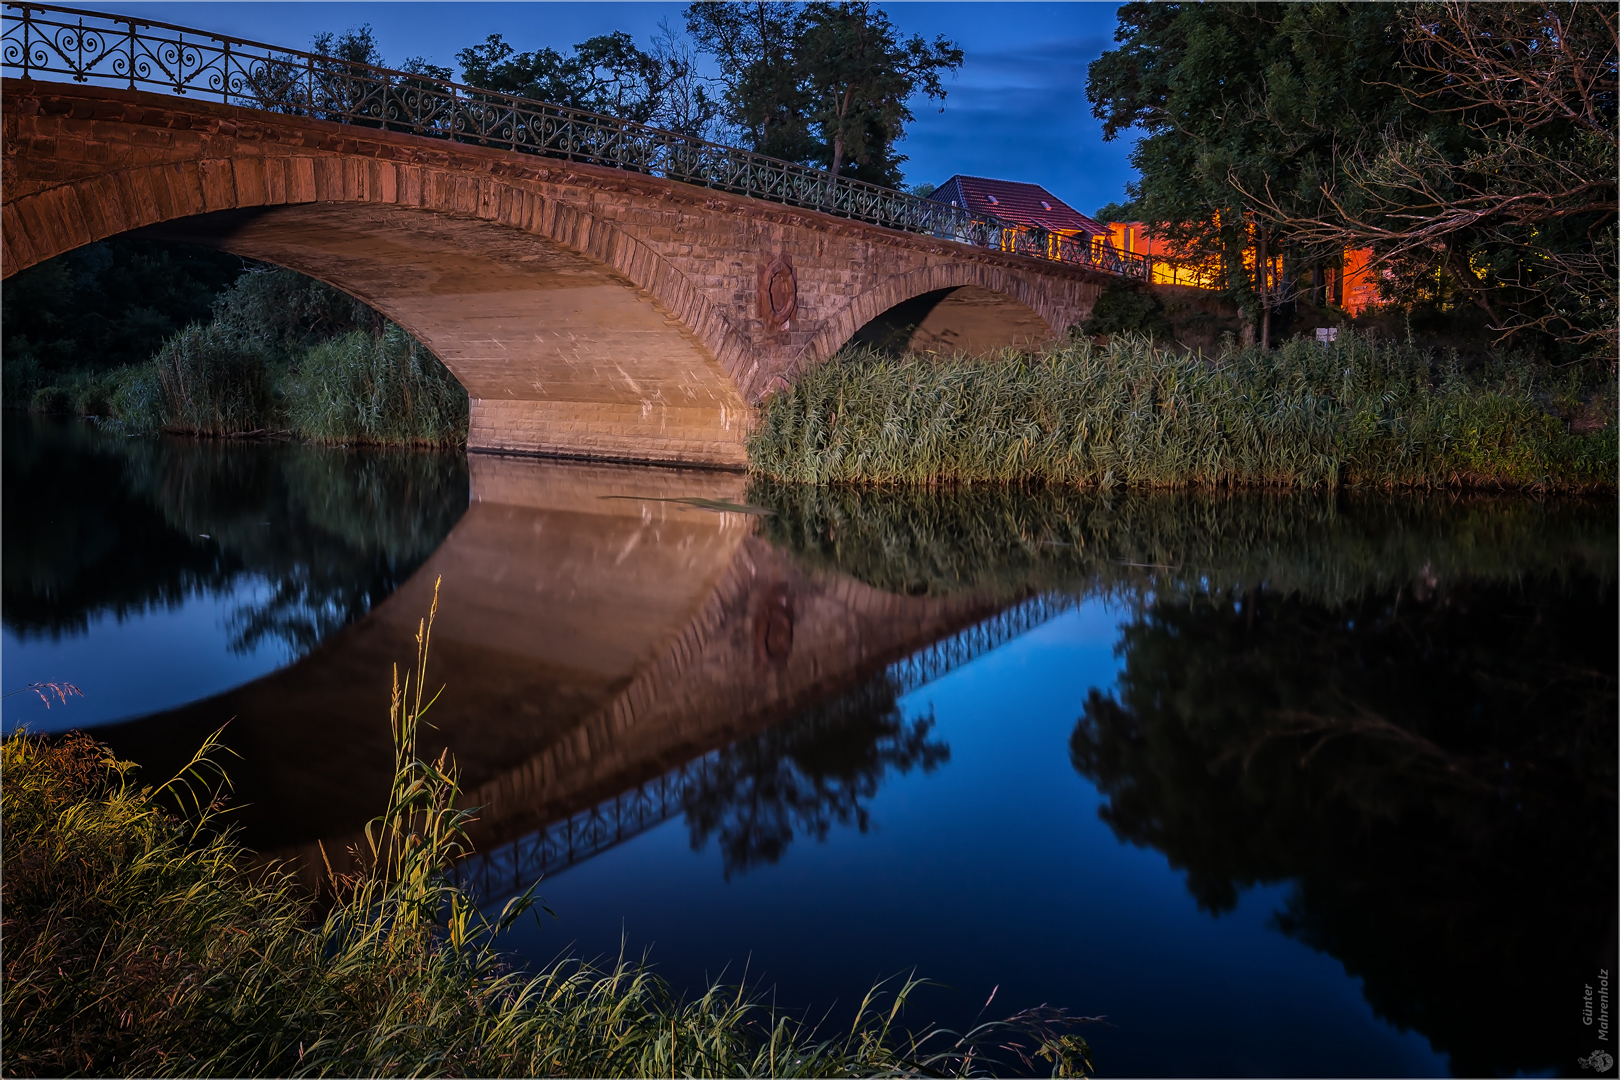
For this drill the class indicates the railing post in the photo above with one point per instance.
(133, 40)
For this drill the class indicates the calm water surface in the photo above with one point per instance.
(1278, 786)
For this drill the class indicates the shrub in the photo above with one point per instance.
(285, 312)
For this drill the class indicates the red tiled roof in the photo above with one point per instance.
(1022, 204)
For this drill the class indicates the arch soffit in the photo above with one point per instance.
(874, 302)
(73, 214)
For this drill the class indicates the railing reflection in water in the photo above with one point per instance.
(513, 867)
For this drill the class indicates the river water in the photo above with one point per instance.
(1275, 785)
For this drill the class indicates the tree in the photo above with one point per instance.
(607, 74)
(755, 46)
(1236, 96)
(825, 84)
(1518, 205)
(859, 77)
(107, 304)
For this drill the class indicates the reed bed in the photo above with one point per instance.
(282, 355)
(1352, 413)
(213, 382)
(1326, 547)
(384, 388)
(379, 388)
(138, 942)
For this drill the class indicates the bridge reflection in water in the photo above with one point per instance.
(514, 866)
(603, 632)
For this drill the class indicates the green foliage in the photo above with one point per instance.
(859, 75)
(283, 353)
(137, 398)
(607, 74)
(102, 306)
(825, 83)
(214, 382)
(1127, 307)
(1472, 147)
(140, 943)
(285, 313)
(1352, 413)
(376, 389)
(755, 46)
(1115, 212)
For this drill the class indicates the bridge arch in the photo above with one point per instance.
(481, 249)
(583, 341)
(967, 307)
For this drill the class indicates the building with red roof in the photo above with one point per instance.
(1022, 204)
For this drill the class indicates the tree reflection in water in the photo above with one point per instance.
(807, 775)
(329, 532)
(1433, 767)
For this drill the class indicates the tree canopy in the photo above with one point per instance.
(823, 84)
(1471, 147)
(606, 74)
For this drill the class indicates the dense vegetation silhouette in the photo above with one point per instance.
(803, 777)
(106, 524)
(1431, 765)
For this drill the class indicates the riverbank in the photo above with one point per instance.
(283, 355)
(1354, 413)
(142, 940)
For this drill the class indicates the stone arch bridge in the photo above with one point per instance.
(590, 311)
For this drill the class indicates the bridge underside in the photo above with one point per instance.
(559, 354)
(967, 319)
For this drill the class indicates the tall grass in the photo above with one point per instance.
(375, 388)
(1356, 412)
(139, 943)
(214, 382)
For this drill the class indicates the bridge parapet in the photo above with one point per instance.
(113, 50)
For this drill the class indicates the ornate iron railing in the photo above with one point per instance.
(113, 50)
(512, 867)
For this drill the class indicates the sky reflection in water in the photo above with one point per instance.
(139, 662)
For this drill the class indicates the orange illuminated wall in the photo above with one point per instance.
(1169, 267)
(1360, 281)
